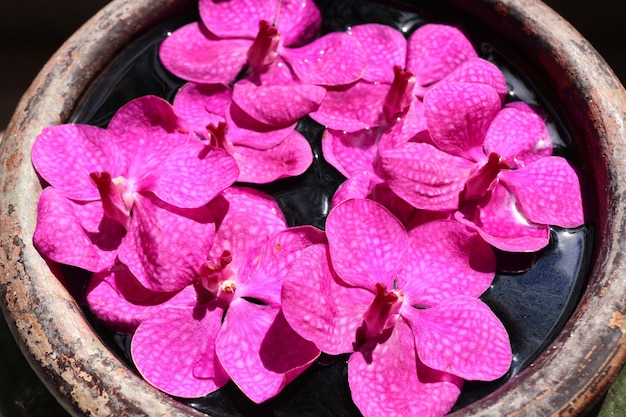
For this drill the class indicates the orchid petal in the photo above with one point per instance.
(387, 379)
(458, 116)
(236, 18)
(94, 237)
(289, 158)
(461, 336)
(66, 155)
(334, 59)
(367, 243)
(499, 222)
(166, 245)
(277, 105)
(519, 135)
(246, 131)
(357, 186)
(119, 301)
(193, 54)
(299, 22)
(424, 176)
(355, 153)
(259, 350)
(446, 259)
(320, 309)
(202, 105)
(547, 192)
(174, 351)
(479, 71)
(385, 47)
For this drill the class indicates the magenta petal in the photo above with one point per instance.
(458, 116)
(353, 153)
(166, 245)
(236, 18)
(519, 135)
(481, 71)
(424, 176)
(119, 301)
(385, 47)
(259, 350)
(174, 351)
(461, 336)
(277, 105)
(434, 51)
(195, 55)
(94, 238)
(318, 308)
(356, 107)
(299, 22)
(65, 155)
(357, 186)
(501, 224)
(388, 379)
(289, 158)
(202, 105)
(243, 130)
(247, 218)
(547, 192)
(445, 259)
(334, 59)
(367, 243)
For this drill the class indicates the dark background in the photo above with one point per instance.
(30, 32)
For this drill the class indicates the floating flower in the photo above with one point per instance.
(491, 165)
(406, 305)
(270, 39)
(263, 153)
(113, 191)
(226, 323)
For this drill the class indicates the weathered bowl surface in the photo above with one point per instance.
(88, 379)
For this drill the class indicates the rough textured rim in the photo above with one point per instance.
(88, 380)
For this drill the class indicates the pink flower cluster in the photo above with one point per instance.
(206, 274)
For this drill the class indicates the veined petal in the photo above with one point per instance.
(458, 116)
(351, 108)
(166, 245)
(334, 59)
(246, 219)
(501, 224)
(367, 243)
(479, 71)
(385, 47)
(174, 351)
(244, 130)
(66, 155)
(236, 18)
(193, 174)
(94, 237)
(259, 350)
(355, 153)
(387, 379)
(119, 301)
(424, 176)
(193, 54)
(277, 105)
(519, 135)
(434, 51)
(299, 22)
(357, 186)
(289, 158)
(202, 105)
(445, 259)
(318, 307)
(547, 192)
(461, 336)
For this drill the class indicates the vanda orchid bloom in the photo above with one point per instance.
(227, 322)
(270, 38)
(406, 305)
(492, 166)
(113, 191)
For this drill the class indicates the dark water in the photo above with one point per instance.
(533, 305)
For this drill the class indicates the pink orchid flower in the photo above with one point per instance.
(406, 305)
(491, 165)
(113, 191)
(266, 37)
(263, 153)
(227, 322)
(400, 72)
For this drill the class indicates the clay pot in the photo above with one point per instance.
(88, 379)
